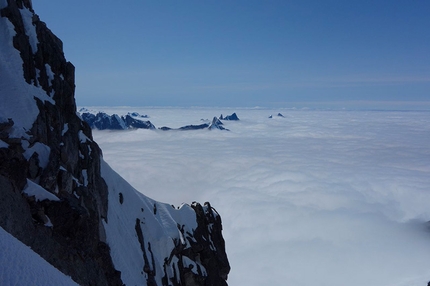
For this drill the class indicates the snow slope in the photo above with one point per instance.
(159, 223)
(21, 266)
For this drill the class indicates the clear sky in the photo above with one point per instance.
(246, 53)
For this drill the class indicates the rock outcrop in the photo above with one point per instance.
(229, 117)
(278, 115)
(57, 195)
(215, 124)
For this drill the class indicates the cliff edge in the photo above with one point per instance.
(60, 198)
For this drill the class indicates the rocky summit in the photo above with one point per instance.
(59, 197)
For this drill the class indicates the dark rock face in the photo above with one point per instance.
(59, 156)
(209, 224)
(194, 127)
(229, 117)
(208, 230)
(135, 114)
(187, 127)
(279, 115)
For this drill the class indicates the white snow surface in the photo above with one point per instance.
(85, 176)
(21, 266)
(159, 230)
(3, 144)
(82, 137)
(33, 189)
(40, 148)
(65, 129)
(50, 73)
(30, 29)
(316, 198)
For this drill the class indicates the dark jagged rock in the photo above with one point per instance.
(209, 230)
(206, 237)
(194, 127)
(229, 117)
(103, 121)
(187, 127)
(135, 114)
(215, 124)
(57, 156)
(278, 115)
(5, 126)
(131, 122)
(165, 128)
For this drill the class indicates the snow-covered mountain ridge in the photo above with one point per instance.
(60, 198)
(133, 120)
(102, 121)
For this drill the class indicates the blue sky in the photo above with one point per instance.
(374, 54)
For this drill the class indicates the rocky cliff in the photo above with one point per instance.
(58, 195)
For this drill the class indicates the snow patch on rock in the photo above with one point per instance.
(30, 29)
(65, 129)
(39, 148)
(3, 144)
(82, 137)
(40, 194)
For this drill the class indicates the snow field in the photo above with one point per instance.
(20, 266)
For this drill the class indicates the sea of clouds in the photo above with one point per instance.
(313, 198)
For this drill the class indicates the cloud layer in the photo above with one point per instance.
(315, 198)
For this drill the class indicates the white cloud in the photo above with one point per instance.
(316, 198)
